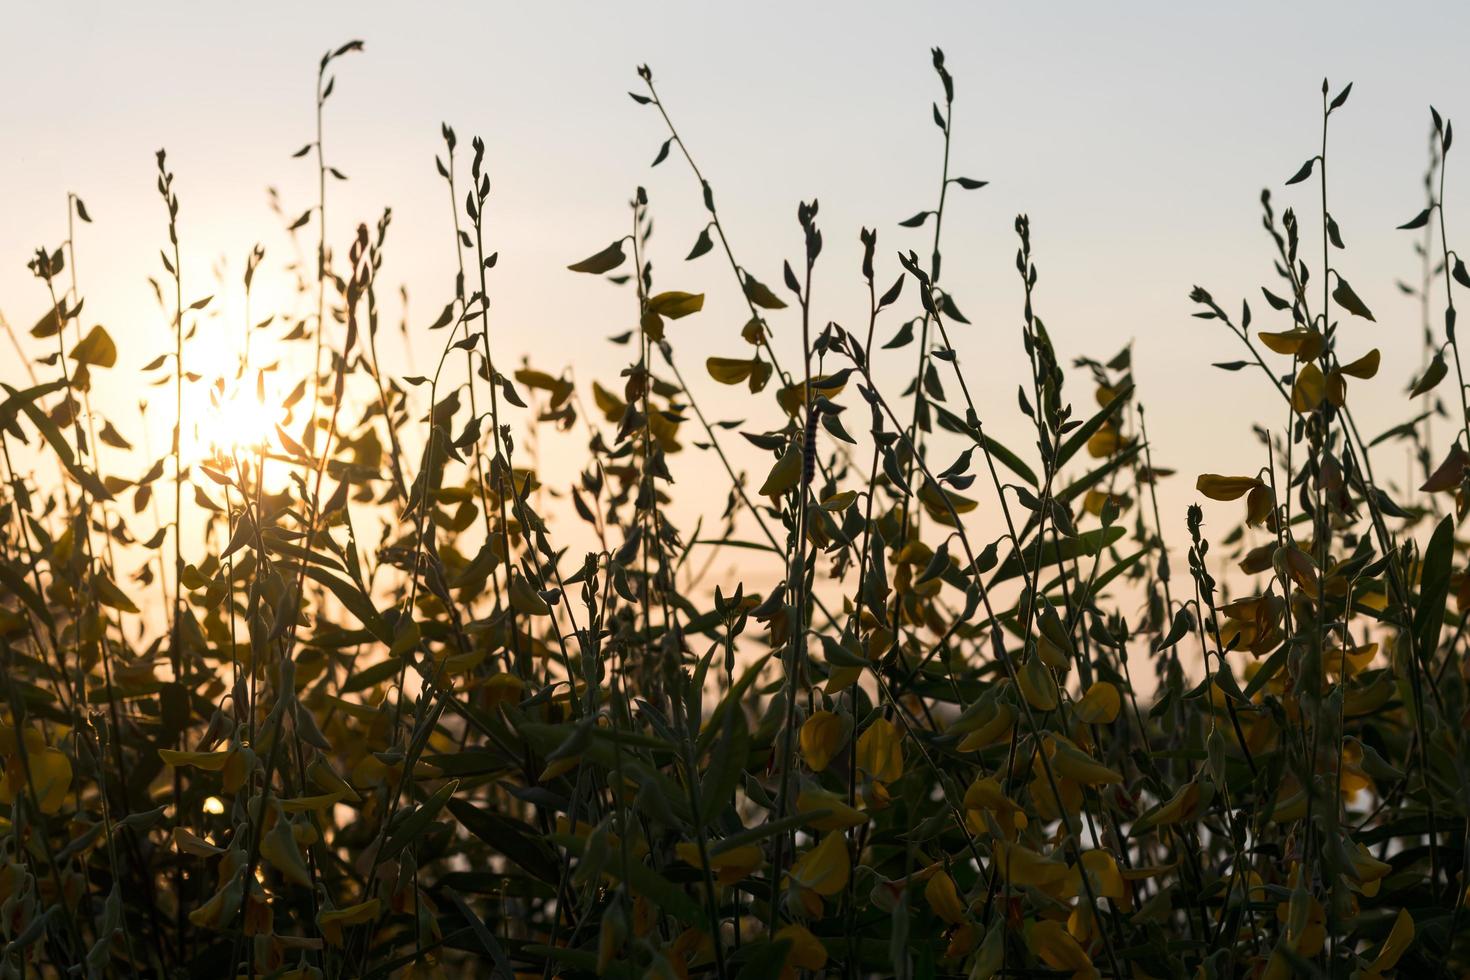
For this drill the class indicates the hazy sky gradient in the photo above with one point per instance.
(1137, 136)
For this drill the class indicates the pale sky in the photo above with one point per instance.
(1136, 135)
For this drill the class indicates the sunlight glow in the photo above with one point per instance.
(240, 419)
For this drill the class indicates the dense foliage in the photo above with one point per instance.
(391, 715)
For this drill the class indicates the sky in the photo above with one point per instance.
(1137, 136)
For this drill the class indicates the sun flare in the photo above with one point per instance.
(241, 417)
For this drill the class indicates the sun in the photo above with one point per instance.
(241, 417)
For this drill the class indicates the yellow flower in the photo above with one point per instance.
(192, 844)
(824, 869)
(503, 689)
(997, 727)
(985, 796)
(1099, 706)
(1399, 938)
(1076, 765)
(729, 866)
(806, 952)
(1370, 870)
(1055, 947)
(1102, 873)
(1037, 685)
(1191, 798)
(331, 921)
(208, 761)
(50, 770)
(280, 848)
(233, 763)
(821, 739)
(944, 898)
(880, 752)
(840, 815)
(1048, 806)
(1020, 865)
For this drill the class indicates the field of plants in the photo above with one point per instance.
(978, 709)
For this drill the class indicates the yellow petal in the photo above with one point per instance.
(1183, 805)
(302, 804)
(995, 729)
(1399, 938)
(1037, 685)
(209, 761)
(1301, 343)
(1099, 706)
(729, 866)
(944, 898)
(824, 869)
(1051, 942)
(1103, 873)
(1364, 367)
(1309, 388)
(280, 848)
(1074, 764)
(785, 474)
(51, 777)
(191, 843)
(1218, 487)
(807, 951)
(880, 752)
(821, 738)
(239, 761)
(332, 920)
(1022, 866)
(840, 815)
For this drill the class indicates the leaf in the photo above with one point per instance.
(96, 348)
(642, 880)
(1417, 221)
(418, 821)
(53, 436)
(726, 766)
(488, 942)
(891, 297)
(1448, 474)
(760, 295)
(1078, 438)
(1462, 276)
(1434, 588)
(1348, 300)
(1432, 376)
(354, 600)
(1088, 543)
(110, 595)
(604, 261)
(1303, 173)
(702, 244)
(16, 585)
(50, 324)
(916, 221)
(969, 183)
(112, 437)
